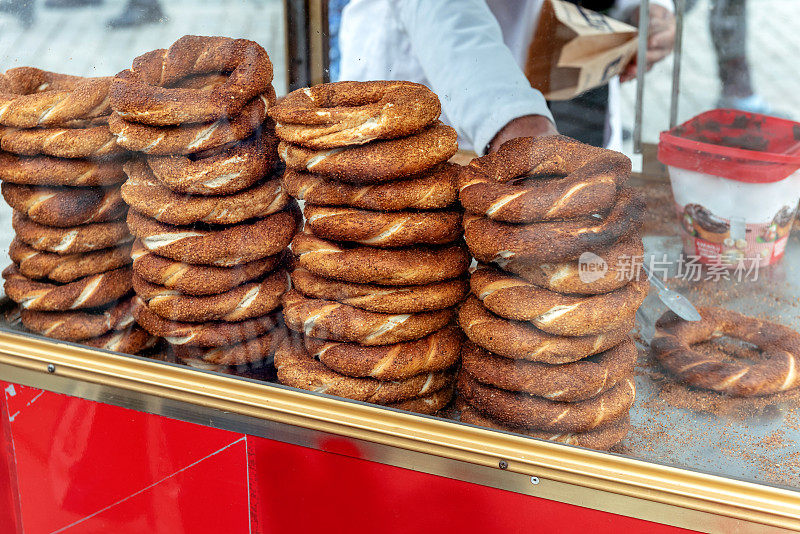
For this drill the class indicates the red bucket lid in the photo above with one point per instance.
(734, 144)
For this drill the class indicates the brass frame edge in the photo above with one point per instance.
(746, 501)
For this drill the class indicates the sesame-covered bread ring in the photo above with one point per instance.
(37, 264)
(347, 113)
(83, 238)
(208, 334)
(551, 241)
(78, 325)
(90, 142)
(618, 264)
(90, 292)
(251, 299)
(600, 438)
(31, 97)
(384, 229)
(426, 404)
(224, 247)
(434, 352)
(144, 193)
(512, 297)
(131, 340)
(378, 161)
(522, 340)
(144, 94)
(65, 206)
(383, 299)
(521, 409)
(253, 350)
(231, 170)
(510, 185)
(775, 370)
(297, 369)
(433, 189)
(195, 137)
(370, 265)
(568, 382)
(46, 170)
(339, 322)
(197, 279)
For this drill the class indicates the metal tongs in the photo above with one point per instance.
(673, 300)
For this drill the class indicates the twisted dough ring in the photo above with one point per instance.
(246, 301)
(339, 114)
(521, 340)
(520, 409)
(338, 322)
(550, 241)
(621, 260)
(60, 268)
(382, 299)
(89, 292)
(776, 370)
(426, 404)
(297, 369)
(208, 334)
(46, 170)
(197, 279)
(378, 161)
(65, 206)
(131, 340)
(192, 138)
(569, 382)
(90, 142)
(84, 238)
(232, 170)
(224, 247)
(148, 196)
(384, 229)
(368, 265)
(434, 189)
(142, 94)
(601, 438)
(562, 315)
(434, 352)
(250, 351)
(31, 97)
(79, 325)
(489, 186)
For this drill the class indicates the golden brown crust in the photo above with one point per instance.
(567, 382)
(249, 300)
(84, 238)
(144, 193)
(550, 241)
(79, 325)
(197, 279)
(384, 229)
(520, 409)
(776, 369)
(434, 352)
(65, 206)
(383, 299)
(347, 113)
(46, 170)
(36, 264)
(143, 93)
(90, 292)
(489, 185)
(223, 247)
(515, 339)
(433, 189)
(427, 404)
(512, 297)
(90, 142)
(338, 322)
(378, 161)
(369, 265)
(131, 340)
(253, 350)
(297, 369)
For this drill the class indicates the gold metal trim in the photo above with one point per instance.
(642, 481)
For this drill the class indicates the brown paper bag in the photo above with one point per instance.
(575, 49)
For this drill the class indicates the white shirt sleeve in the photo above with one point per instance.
(460, 47)
(623, 8)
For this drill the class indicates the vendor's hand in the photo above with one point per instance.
(527, 126)
(660, 39)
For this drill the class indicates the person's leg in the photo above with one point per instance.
(138, 12)
(728, 25)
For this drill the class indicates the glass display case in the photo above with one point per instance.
(230, 281)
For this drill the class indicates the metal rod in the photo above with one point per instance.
(680, 9)
(641, 68)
